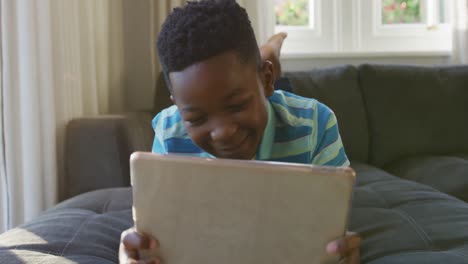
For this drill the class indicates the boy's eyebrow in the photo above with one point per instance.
(189, 109)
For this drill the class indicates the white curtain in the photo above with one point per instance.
(61, 59)
(460, 33)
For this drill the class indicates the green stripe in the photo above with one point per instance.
(177, 130)
(293, 120)
(291, 148)
(264, 151)
(328, 153)
(300, 103)
(331, 121)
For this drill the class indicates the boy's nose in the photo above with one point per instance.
(223, 131)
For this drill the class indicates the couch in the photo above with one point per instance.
(405, 129)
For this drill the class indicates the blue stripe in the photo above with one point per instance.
(172, 120)
(339, 160)
(323, 115)
(322, 121)
(157, 147)
(181, 145)
(289, 133)
(300, 158)
(301, 112)
(331, 135)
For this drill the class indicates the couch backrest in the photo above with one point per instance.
(415, 110)
(338, 88)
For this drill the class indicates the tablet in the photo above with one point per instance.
(213, 211)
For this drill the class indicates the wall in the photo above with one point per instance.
(138, 48)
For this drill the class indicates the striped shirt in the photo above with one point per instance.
(299, 130)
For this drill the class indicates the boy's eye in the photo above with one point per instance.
(238, 107)
(196, 121)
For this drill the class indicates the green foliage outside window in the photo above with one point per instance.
(292, 12)
(401, 11)
(296, 12)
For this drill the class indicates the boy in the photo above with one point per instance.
(226, 106)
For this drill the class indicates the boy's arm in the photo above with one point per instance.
(330, 152)
(329, 149)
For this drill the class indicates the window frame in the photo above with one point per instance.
(343, 28)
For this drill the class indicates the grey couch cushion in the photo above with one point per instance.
(84, 229)
(19, 256)
(98, 149)
(415, 110)
(448, 174)
(406, 222)
(337, 87)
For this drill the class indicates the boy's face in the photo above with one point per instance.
(223, 103)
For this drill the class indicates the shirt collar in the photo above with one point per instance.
(264, 150)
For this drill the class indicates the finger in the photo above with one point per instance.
(133, 240)
(134, 261)
(355, 257)
(353, 240)
(152, 261)
(131, 254)
(343, 261)
(344, 245)
(126, 256)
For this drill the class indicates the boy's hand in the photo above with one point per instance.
(271, 51)
(133, 243)
(347, 247)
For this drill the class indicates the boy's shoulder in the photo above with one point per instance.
(169, 119)
(297, 110)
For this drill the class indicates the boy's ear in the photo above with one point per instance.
(268, 78)
(172, 99)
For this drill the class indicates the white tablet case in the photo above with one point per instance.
(206, 211)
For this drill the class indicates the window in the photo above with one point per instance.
(294, 13)
(401, 12)
(316, 32)
(414, 12)
(348, 27)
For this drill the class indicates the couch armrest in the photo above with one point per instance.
(97, 151)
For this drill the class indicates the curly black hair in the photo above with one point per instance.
(201, 30)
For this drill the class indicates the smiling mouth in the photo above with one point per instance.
(235, 147)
